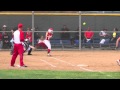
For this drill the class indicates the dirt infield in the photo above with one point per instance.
(66, 60)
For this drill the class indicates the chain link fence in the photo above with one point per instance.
(77, 22)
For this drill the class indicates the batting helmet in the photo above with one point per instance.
(50, 30)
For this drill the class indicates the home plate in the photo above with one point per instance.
(82, 65)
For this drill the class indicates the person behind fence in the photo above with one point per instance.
(88, 34)
(4, 28)
(64, 34)
(45, 42)
(105, 37)
(36, 36)
(29, 35)
(0, 40)
(5, 40)
(114, 36)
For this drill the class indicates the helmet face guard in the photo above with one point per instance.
(26, 40)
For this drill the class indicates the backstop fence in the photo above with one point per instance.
(76, 24)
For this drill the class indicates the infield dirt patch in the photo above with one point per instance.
(104, 60)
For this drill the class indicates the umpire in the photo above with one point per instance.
(18, 37)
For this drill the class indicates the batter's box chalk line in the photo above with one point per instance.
(19, 66)
(82, 65)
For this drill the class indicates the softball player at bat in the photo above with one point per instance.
(45, 43)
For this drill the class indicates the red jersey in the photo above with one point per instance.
(48, 36)
(0, 36)
(88, 34)
(29, 36)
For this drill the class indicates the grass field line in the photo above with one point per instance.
(96, 71)
(105, 74)
(83, 68)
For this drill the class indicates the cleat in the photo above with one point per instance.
(23, 66)
(116, 48)
(48, 54)
(12, 66)
(29, 54)
(118, 62)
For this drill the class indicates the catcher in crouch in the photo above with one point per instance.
(45, 43)
(27, 46)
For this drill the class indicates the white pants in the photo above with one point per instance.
(102, 41)
(46, 42)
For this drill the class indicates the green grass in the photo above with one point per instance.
(45, 74)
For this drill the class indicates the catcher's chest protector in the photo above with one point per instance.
(26, 45)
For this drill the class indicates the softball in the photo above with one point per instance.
(84, 23)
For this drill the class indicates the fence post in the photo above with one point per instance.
(33, 28)
(80, 30)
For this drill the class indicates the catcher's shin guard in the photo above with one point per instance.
(29, 52)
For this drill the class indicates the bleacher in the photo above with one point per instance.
(58, 43)
(96, 44)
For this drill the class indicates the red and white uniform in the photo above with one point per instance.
(18, 38)
(46, 43)
(49, 34)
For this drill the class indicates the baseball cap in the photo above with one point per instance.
(20, 25)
